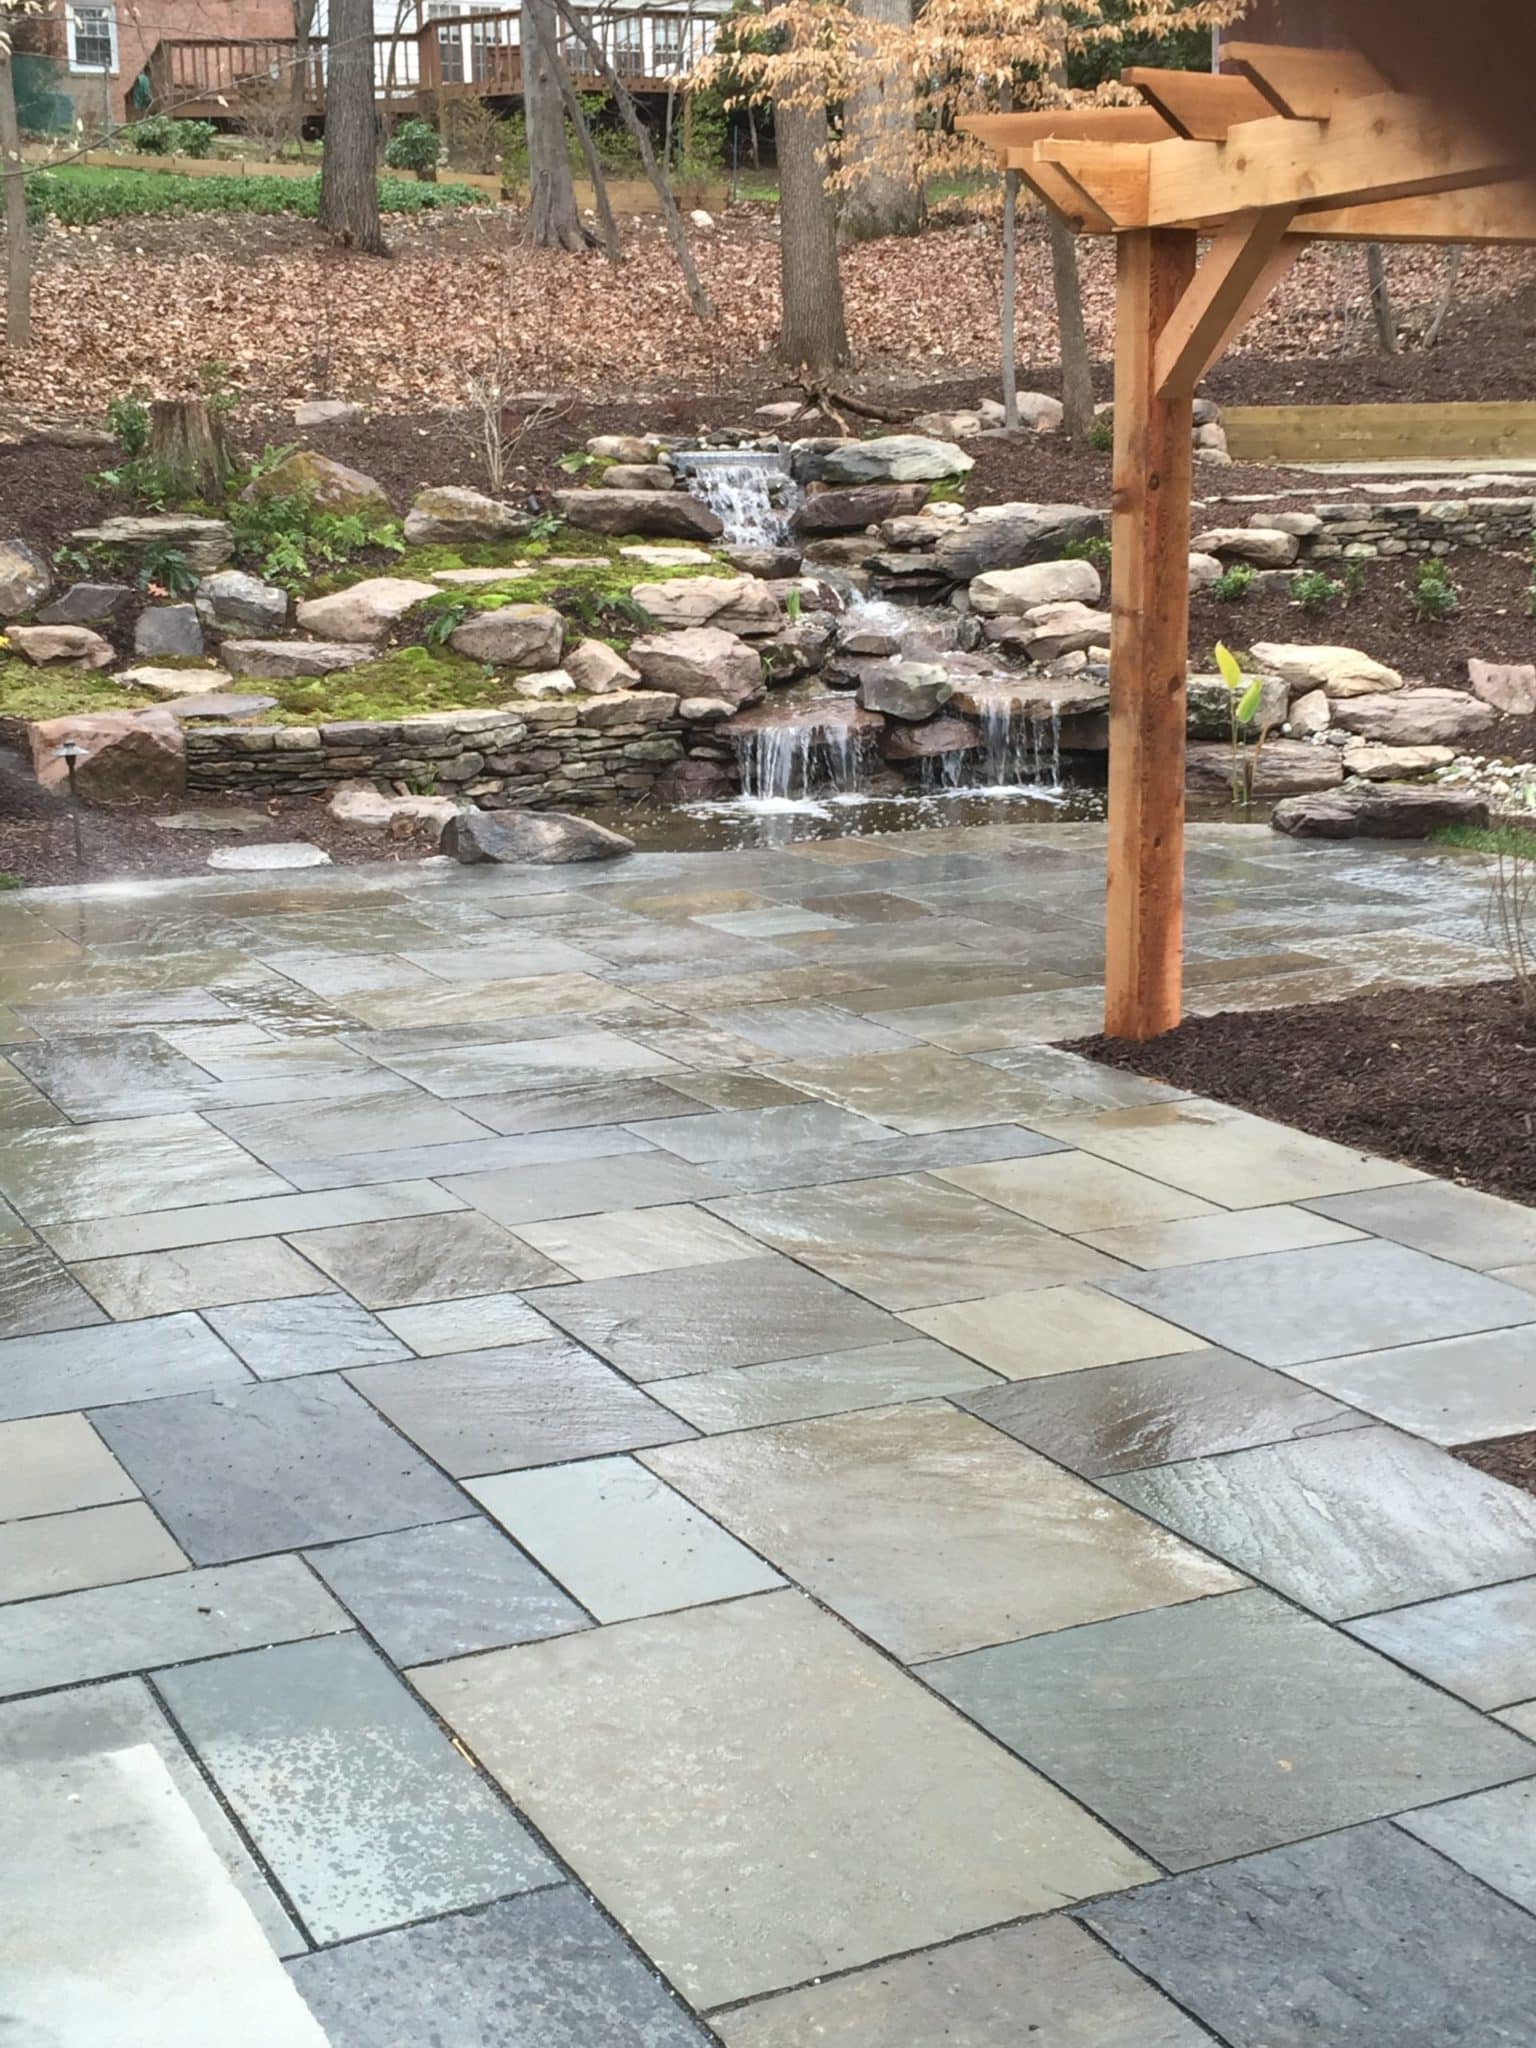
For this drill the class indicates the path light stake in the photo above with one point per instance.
(1284, 148)
(69, 752)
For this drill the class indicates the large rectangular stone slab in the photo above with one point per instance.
(1073, 1191)
(305, 1333)
(476, 1322)
(571, 1059)
(37, 1294)
(321, 1130)
(1048, 1984)
(226, 1222)
(754, 1134)
(1156, 1411)
(66, 1369)
(75, 1637)
(1492, 1834)
(905, 1243)
(445, 1590)
(1223, 1234)
(850, 1815)
(55, 1463)
(545, 1970)
(69, 1727)
(1480, 1646)
(916, 1089)
(1049, 1330)
(1460, 1224)
(364, 1811)
(200, 1276)
(656, 1326)
(1289, 1308)
(515, 1195)
(609, 1246)
(485, 1154)
(742, 1397)
(995, 1542)
(528, 1404)
(1354, 1941)
(272, 1466)
(1224, 1726)
(66, 1173)
(431, 1258)
(622, 1541)
(91, 1547)
(1457, 1391)
(1346, 1523)
(123, 1925)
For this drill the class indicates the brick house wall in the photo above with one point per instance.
(78, 34)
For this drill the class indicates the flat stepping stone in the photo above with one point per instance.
(174, 682)
(471, 579)
(213, 821)
(225, 704)
(278, 853)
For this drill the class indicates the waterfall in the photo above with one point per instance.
(750, 489)
(808, 752)
(1018, 750)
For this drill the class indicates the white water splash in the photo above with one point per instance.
(749, 489)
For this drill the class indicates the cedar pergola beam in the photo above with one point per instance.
(1307, 85)
(1200, 105)
(1003, 132)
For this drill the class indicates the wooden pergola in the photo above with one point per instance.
(1291, 146)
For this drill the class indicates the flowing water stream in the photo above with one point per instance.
(750, 489)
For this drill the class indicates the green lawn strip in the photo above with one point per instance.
(80, 195)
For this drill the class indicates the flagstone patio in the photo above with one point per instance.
(626, 1456)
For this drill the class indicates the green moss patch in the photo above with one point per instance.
(32, 693)
(404, 683)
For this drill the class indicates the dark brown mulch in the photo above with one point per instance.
(37, 844)
(1510, 1458)
(1439, 1078)
(1493, 623)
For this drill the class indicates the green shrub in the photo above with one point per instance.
(1314, 591)
(1095, 550)
(159, 135)
(1234, 584)
(414, 146)
(1433, 595)
(128, 420)
(126, 195)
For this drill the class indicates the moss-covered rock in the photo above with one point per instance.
(29, 693)
(404, 683)
(326, 483)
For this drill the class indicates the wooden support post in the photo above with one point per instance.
(1149, 644)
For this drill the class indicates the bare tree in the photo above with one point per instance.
(884, 193)
(553, 221)
(349, 180)
(1382, 309)
(18, 251)
(298, 84)
(813, 337)
(1072, 331)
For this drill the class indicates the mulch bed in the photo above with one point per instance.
(37, 843)
(1439, 1078)
(1510, 1458)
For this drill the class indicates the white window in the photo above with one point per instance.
(92, 36)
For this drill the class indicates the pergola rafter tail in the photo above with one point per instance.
(1296, 146)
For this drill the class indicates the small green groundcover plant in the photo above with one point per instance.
(160, 135)
(81, 201)
(1234, 584)
(1433, 595)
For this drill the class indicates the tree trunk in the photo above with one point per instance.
(1076, 365)
(812, 336)
(880, 135)
(18, 251)
(1008, 318)
(1383, 311)
(349, 178)
(1442, 311)
(553, 222)
(186, 442)
(545, 27)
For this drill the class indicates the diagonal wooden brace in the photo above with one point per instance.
(1245, 262)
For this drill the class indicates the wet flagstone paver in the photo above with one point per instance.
(1352, 1941)
(827, 1364)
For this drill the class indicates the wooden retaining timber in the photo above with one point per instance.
(1381, 433)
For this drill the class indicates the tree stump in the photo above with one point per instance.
(187, 442)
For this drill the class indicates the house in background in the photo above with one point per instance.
(79, 61)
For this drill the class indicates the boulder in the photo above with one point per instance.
(921, 742)
(449, 513)
(1305, 525)
(546, 682)
(329, 484)
(363, 611)
(1262, 546)
(1340, 671)
(1391, 764)
(887, 459)
(77, 645)
(230, 598)
(693, 781)
(1507, 686)
(279, 661)
(1038, 411)
(911, 690)
(326, 412)
(514, 636)
(126, 757)
(596, 667)
(87, 604)
(851, 510)
(948, 426)
(1003, 592)
(1413, 718)
(1379, 810)
(1030, 697)
(664, 514)
(772, 564)
(1310, 714)
(622, 447)
(638, 476)
(1285, 768)
(168, 629)
(1050, 631)
(25, 579)
(174, 682)
(1204, 570)
(1210, 708)
(701, 661)
(206, 543)
(359, 803)
(797, 648)
(1012, 536)
(537, 838)
(736, 604)
(917, 532)
(841, 551)
(703, 710)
